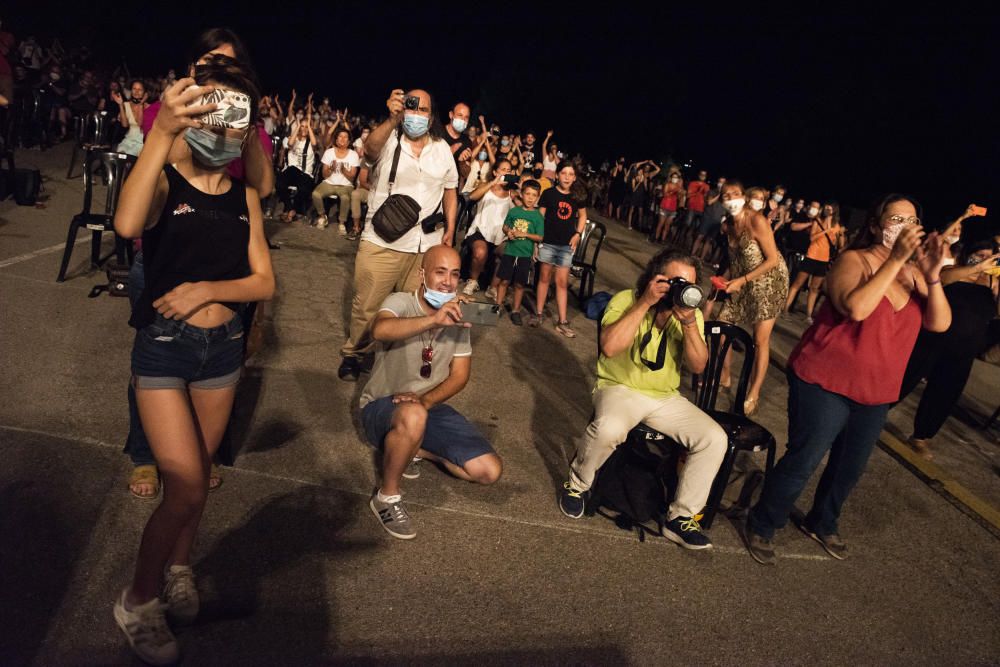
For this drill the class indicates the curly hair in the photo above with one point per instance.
(658, 262)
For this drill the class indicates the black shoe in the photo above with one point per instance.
(572, 503)
(686, 532)
(761, 549)
(833, 544)
(350, 369)
(516, 319)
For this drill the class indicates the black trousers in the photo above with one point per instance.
(295, 188)
(946, 375)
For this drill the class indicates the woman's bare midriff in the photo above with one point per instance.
(212, 315)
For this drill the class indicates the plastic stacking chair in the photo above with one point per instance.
(116, 167)
(585, 259)
(93, 132)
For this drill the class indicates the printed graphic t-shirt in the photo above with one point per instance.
(561, 216)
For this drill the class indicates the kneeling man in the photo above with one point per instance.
(644, 338)
(424, 357)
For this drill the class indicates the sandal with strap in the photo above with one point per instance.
(144, 474)
(214, 478)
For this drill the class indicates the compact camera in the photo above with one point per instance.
(411, 103)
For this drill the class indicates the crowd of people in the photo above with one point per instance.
(892, 305)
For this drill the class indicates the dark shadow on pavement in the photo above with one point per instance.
(265, 594)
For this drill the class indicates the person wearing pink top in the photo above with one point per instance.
(847, 370)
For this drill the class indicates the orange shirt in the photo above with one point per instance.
(819, 246)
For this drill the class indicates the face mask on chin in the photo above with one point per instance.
(211, 149)
(435, 298)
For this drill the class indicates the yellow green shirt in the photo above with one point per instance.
(626, 367)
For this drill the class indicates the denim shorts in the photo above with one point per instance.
(447, 434)
(170, 354)
(557, 255)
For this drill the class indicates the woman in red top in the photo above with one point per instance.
(668, 205)
(848, 368)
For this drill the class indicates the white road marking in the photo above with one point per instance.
(38, 253)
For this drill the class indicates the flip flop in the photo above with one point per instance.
(145, 474)
(214, 476)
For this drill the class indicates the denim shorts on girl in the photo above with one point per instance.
(557, 255)
(170, 354)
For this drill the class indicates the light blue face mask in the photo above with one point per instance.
(436, 298)
(505, 142)
(211, 149)
(415, 125)
(483, 156)
(459, 124)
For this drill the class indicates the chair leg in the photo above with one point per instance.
(72, 161)
(718, 487)
(70, 242)
(95, 249)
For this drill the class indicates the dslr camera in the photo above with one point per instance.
(682, 294)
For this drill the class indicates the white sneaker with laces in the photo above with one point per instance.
(490, 293)
(147, 632)
(180, 594)
(471, 288)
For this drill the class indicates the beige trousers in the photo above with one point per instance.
(378, 272)
(619, 409)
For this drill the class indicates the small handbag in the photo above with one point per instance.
(398, 214)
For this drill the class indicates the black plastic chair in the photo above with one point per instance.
(116, 167)
(585, 259)
(93, 132)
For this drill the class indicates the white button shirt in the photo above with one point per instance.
(424, 178)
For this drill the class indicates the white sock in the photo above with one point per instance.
(387, 499)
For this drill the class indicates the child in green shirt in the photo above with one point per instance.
(523, 228)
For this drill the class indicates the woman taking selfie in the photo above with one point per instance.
(847, 370)
(205, 256)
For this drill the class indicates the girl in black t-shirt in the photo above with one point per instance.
(204, 255)
(565, 220)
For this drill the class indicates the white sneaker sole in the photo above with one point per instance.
(677, 539)
(385, 526)
(174, 656)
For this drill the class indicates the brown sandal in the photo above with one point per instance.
(214, 478)
(922, 447)
(144, 474)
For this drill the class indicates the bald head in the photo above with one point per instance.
(441, 267)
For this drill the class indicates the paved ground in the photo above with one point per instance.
(295, 570)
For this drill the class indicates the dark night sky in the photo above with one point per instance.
(839, 105)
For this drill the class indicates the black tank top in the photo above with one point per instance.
(199, 237)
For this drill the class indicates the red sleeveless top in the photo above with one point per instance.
(863, 361)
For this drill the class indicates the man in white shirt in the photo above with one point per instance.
(425, 172)
(340, 166)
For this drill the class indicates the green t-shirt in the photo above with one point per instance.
(522, 220)
(627, 368)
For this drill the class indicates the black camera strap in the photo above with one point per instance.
(661, 352)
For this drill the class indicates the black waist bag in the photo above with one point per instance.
(398, 214)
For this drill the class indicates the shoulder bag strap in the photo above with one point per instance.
(395, 160)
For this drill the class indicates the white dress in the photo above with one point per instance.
(132, 143)
(490, 215)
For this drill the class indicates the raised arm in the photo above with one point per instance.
(380, 135)
(140, 189)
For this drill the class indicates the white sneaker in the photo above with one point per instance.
(471, 288)
(147, 632)
(490, 293)
(342, 229)
(181, 595)
(321, 222)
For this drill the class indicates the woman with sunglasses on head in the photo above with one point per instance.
(847, 370)
(758, 279)
(205, 257)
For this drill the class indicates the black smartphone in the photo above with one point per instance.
(412, 102)
(510, 179)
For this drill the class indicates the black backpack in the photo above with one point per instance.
(635, 482)
(27, 184)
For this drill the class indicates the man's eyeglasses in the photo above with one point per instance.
(427, 355)
(899, 219)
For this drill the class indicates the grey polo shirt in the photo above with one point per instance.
(397, 365)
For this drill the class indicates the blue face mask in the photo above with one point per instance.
(415, 125)
(459, 124)
(211, 149)
(505, 142)
(435, 298)
(483, 156)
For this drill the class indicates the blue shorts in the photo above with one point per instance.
(557, 255)
(447, 434)
(170, 354)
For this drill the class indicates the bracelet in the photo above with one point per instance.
(935, 282)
